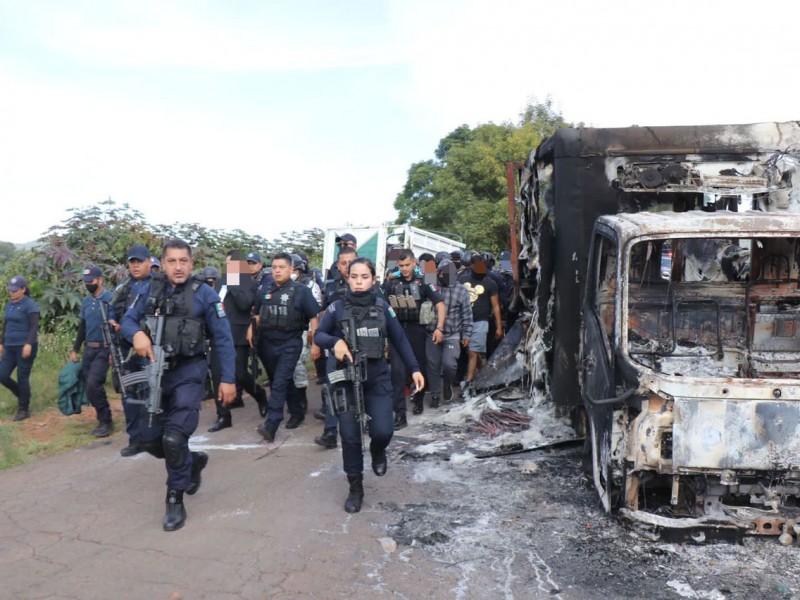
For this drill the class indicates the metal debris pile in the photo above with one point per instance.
(493, 422)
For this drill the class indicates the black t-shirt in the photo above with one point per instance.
(480, 294)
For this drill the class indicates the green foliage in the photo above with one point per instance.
(7, 251)
(464, 189)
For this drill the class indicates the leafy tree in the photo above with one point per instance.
(463, 190)
(7, 251)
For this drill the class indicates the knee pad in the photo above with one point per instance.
(176, 448)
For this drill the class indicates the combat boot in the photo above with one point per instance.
(418, 408)
(379, 462)
(356, 495)
(175, 516)
(327, 440)
(400, 421)
(199, 462)
(21, 415)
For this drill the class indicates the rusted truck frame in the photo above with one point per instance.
(684, 374)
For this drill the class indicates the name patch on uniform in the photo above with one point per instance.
(220, 310)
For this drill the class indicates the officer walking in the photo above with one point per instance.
(373, 321)
(335, 287)
(96, 355)
(406, 294)
(190, 309)
(139, 265)
(286, 309)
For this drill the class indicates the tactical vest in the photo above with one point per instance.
(334, 290)
(120, 299)
(184, 334)
(405, 298)
(278, 311)
(370, 324)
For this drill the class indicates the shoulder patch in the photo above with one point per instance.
(331, 308)
(392, 313)
(220, 310)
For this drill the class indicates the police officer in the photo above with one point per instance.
(139, 267)
(261, 276)
(96, 355)
(237, 297)
(191, 309)
(298, 390)
(155, 264)
(334, 290)
(286, 311)
(406, 293)
(374, 322)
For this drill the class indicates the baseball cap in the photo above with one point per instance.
(138, 252)
(254, 257)
(154, 262)
(90, 273)
(347, 237)
(16, 283)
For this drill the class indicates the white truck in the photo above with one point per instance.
(376, 243)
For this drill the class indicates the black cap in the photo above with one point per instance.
(347, 237)
(138, 252)
(90, 273)
(254, 257)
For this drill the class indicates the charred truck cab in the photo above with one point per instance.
(663, 269)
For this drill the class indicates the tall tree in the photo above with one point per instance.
(463, 190)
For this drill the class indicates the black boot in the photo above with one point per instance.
(199, 462)
(434, 401)
(221, 423)
(400, 421)
(175, 516)
(22, 414)
(379, 462)
(327, 440)
(356, 495)
(418, 408)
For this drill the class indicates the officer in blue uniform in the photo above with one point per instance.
(406, 292)
(374, 322)
(334, 290)
(285, 310)
(96, 354)
(139, 263)
(192, 309)
(19, 344)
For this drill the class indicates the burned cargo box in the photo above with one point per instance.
(664, 275)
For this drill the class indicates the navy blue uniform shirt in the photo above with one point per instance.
(205, 309)
(92, 315)
(18, 330)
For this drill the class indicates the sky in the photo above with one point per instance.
(273, 116)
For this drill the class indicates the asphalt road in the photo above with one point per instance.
(268, 522)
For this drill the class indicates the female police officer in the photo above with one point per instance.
(364, 311)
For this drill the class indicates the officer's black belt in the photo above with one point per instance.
(96, 345)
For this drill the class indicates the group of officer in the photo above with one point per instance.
(273, 313)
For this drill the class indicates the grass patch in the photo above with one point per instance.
(48, 432)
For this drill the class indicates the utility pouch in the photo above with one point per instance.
(426, 313)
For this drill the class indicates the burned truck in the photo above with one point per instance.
(661, 266)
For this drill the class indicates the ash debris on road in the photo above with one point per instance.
(528, 525)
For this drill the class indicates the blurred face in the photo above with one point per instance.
(343, 264)
(17, 296)
(406, 267)
(281, 270)
(178, 265)
(254, 267)
(360, 278)
(139, 269)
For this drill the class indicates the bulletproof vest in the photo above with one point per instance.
(334, 290)
(405, 298)
(278, 311)
(121, 297)
(305, 279)
(370, 322)
(184, 334)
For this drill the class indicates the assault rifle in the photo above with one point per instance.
(111, 340)
(354, 372)
(152, 372)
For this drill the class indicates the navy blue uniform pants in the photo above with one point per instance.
(400, 374)
(93, 372)
(378, 404)
(12, 359)
(133, 412)
(279, 359)
(181, 395)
